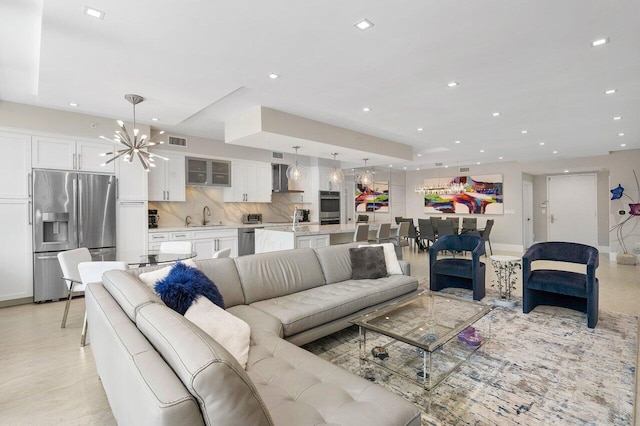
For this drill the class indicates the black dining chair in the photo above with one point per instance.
(363, 218)
(486, 232)
(426, 233)
(455, 224)
(434, 223)
(445, 227)
(469, 224)
(413, 234)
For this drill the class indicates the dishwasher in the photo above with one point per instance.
(247, 240)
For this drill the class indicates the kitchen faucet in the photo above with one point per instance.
(187, 220)
(295, 218)
(205, 212)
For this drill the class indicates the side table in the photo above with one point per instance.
(505, 269)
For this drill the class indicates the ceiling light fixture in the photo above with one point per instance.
(420, 129)
(133, 145)
(366, 109)
(617, 118)
(610, 91)
(620, 134)
(452, 84)
(555, 152)
(295, 172)
(541, 143)
(496, 114)
(566, 171)
(363, 24)
(73, 104)
(482, 150)
(600, 42)
(405, 168)
(365, 178)
(273, 76)
(419, 155)
(623, 144)
(154, 119)
(457, 142)
(336, 175)
(478, 162)
(94, 13)
(500, 158)
(524, 132)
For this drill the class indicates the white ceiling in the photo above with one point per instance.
(202, 63)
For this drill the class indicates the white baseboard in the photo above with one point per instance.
(511, 248)
(613, 257)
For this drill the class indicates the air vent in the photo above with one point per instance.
(277, 155)
(174, 140)
(438, 164)
(464, 169)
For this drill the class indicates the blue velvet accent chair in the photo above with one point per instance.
(553, 287)
(458, 272)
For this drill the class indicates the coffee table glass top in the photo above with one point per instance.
(427, 320)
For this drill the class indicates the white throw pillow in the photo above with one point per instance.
(152, 277)
(230, 331)
(390, 257)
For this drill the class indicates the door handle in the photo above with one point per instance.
(30, 213)
(79, 161)
(168, 198)
(164, 195)
(47, 257)
(29, 184)
(74, 161)
(552, 218)
(117, 189)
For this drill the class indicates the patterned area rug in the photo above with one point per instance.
(545, 367)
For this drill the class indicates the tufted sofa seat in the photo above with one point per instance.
(159, 368)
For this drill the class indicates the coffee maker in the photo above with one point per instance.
(304, 215)
(153, 218)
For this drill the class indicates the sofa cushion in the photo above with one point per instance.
(335, 262)
(267, 275)
(301, 389)
(130, 293)
(210, 373)
(367, 263)
(184, 285)
(230, 331)
(390, 258)
(261, 323)
(562, 282)
(310, 308)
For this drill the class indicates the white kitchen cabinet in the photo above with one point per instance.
(132, 181)
(204, 240)
(16, 259)
(15, 166)
(312, 241)
(324, 182)
(167, 179)
(132, 228)
(250, 182)
(64, 154)
(204, 248)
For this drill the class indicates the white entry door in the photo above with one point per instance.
(527, 214)
(572, 211)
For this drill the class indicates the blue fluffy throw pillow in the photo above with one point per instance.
(183, 285)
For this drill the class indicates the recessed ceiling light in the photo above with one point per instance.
(405, 168)
(610, 91)
(555, 152)
(478, 162)
(273, 76)
(541, 143)
(524, 132)
(154, 119)
(496, 114)
(417, 168)
(446, 166)
(420, 129)
(617, 118)
(457, 142)
(364, 24)
(499, 158)
(600, 42)
(366, 109)
(390, 165)
(482, 150)
(452, 84)
(419, 155)
(566, 171)
(620, 134)
(623, 144)
(94, 13)
(73, 104)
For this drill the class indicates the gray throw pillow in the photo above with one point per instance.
(367, 263)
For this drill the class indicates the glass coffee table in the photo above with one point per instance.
(424, 338)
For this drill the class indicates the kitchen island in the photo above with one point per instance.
(306, 236)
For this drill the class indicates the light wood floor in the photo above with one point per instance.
(47, 378)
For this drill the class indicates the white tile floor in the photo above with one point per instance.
(47, 378)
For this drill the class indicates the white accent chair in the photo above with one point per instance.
(69, 261)
(180, 247)
(91, 272)
(221, 253)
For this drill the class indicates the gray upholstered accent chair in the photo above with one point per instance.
(458, 272)
(554, 287)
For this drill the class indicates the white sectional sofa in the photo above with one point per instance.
(159, 368)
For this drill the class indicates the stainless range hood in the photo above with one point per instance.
(280, 181)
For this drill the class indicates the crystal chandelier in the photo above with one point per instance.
(365, 178)
(295, 171)
(336, 175)
(133, 146)
(446, 188)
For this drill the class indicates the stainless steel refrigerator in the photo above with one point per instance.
(70, 210)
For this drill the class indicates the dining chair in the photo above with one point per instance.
(445, 227)
(383, 234)
(469, 224)
(426, 233)
(221, 253)
(363, 218)
(486, 233)
(69, 261)
(398, 219)
(412, 234)
(91, 272)
(181, 247)
(434, 223)
(361, 233)
(455, 224)
(399, 238)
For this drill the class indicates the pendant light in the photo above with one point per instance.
(365, 178)
(336, 175)
(295, 172)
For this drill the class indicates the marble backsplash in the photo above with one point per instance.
(173, 214)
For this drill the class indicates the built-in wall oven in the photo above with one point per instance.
(329, 207)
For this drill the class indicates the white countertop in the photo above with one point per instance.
(228, 226)
(321, 229)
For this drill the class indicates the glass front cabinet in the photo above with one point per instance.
(208, 172)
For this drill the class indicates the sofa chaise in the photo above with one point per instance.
(159, 368)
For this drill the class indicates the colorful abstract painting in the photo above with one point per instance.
(372, 199)
(482, 195)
